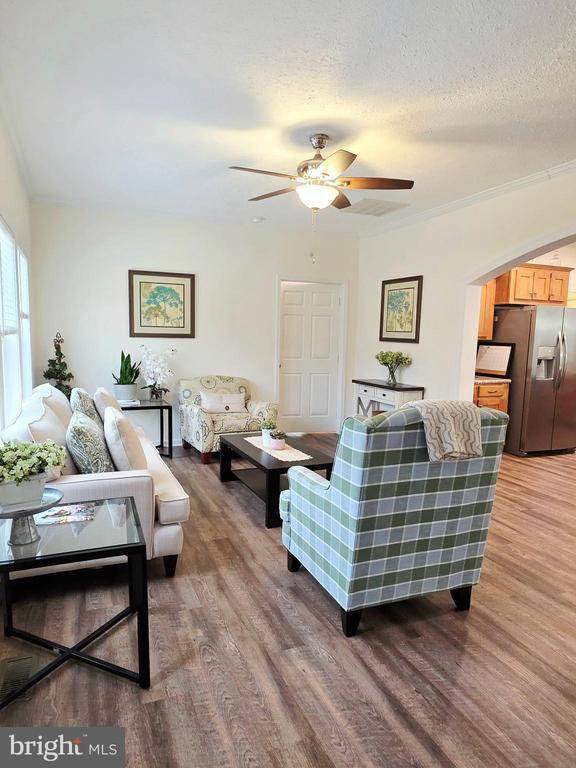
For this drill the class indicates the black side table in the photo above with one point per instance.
(163, 407)
(116, 523)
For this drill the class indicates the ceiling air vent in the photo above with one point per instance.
(371, 207)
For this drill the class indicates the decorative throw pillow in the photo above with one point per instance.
(86, 443)
(37, 423)
(215, 402)
(81, 402)
(123, 442)
(103, 399)
(55, 400)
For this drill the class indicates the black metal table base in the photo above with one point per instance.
(138, 606)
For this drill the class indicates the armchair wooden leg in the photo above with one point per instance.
(206, 458)
(170, 565)
(350, 621)
(462, 597)
(293, 563)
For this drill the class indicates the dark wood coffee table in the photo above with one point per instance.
(268, 477)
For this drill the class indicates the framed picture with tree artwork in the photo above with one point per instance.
(161, 304)
(400, 307)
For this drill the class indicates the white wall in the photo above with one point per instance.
(14, 207)
(81, 289)
(451, 251)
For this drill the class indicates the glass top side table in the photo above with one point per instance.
(163, 407)
(115, 530)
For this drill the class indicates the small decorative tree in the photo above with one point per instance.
(57, 370)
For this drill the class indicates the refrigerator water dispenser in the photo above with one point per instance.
(545, 364)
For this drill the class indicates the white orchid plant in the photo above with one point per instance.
(22, 461)
(155, 371)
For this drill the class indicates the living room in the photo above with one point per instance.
(450, 128)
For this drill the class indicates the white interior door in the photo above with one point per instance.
(310, 328)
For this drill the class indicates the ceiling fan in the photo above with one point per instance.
(318, 182)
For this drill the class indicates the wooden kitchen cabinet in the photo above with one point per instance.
(492, 395)
(559, 285)
(533, 284)
(486, 324)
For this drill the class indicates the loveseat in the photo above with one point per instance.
(162, 503)
(201, 429)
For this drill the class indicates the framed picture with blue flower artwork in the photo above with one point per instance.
(161, 304)
(400, 308)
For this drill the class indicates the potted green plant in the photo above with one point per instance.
(277, 440)
(268, 426)
(393, 361)
(23, 471)
(125, 386)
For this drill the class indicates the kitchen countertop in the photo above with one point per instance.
(491, 380)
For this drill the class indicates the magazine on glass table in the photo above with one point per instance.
(71, 513)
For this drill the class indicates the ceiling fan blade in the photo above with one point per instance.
(341, 201)
(265, 173)
(272, 194)
(365, 182)
(336, 163)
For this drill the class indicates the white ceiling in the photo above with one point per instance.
(144, 103)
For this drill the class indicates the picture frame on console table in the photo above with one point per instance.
(400, 309)
(162, 304)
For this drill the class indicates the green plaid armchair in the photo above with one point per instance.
(390, 524)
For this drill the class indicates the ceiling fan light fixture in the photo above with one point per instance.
(316, 196)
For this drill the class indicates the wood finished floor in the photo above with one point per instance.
(249, 667)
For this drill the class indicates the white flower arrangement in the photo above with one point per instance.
(21, 461)
(155, 371)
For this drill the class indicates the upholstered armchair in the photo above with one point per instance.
(201, 429)
(390, 524)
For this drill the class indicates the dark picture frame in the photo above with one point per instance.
(400, 309)
(161, 304)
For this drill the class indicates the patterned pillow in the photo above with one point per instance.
(80, 401)
(86, 443)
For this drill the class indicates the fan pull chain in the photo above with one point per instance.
(314, 235)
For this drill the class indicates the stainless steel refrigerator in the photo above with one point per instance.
(542, 403)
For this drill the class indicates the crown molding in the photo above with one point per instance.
(465, 202)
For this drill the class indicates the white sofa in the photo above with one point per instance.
(162, 503)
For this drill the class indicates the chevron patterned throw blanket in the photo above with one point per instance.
(452, 428)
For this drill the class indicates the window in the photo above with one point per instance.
(15, 343)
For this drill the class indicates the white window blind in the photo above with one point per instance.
(15, 347)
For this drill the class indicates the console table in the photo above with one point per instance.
(377, 395)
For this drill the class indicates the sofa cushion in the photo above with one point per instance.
(37, 423)
(235, 422)
(81, 402)
(86, 443)
(103, 399)
(123, 441)
(172, 502)
(55, 400)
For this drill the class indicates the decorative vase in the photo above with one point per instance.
(391, 377)
(155, 393)
(266, 437)
(27, 494)
(277, 445)
(125, 391)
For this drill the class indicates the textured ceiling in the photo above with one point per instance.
(144, 103)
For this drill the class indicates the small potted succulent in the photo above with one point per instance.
(267, 426)
(393, 361)
(125, 386)
(24, 469)
(277, 440)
